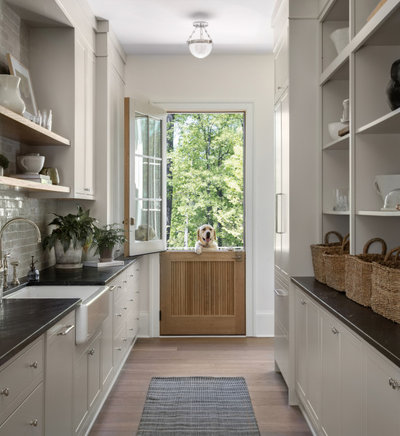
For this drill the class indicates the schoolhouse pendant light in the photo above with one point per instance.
(199, 42)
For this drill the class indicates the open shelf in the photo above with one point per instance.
(339, 144)
(26, 185)
(336, 212)
(389, 123)
(18, 128)
(378, 213)
(338, 68)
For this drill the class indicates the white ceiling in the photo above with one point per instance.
(163, 26)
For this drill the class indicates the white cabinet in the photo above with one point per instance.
(60, 344)
(381, 396)
(281, 63)
(107, 346)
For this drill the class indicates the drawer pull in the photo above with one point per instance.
(34, 364)
(125, 281)
(34, 423)
(138, 292)
(66, 331)
(124, 339)
(5, 392)
(124, 308)
(394, 384)
(119, 349)
(131, 275)
(119, 315)
(303, 302)
(91, 352)
(119, 286)
(335, 331)
(112, 288)
(131, 299)
(131, 330)
(137, 319)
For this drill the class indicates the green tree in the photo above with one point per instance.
(205, 177)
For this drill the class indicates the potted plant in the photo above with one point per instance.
(105, 239)
(4, 162)
(73, 233)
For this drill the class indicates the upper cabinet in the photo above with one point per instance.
(145, 178)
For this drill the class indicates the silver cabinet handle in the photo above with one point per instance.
(281, 292)
(137, 319)
(125, 281)
(86, 189)
(5, 392)
(66, 331)
(138, 292)
(124, 339)
(303, 302)
(335, 331)
(124, 308)
(119, 315)
(395, 384)
(119, 286)
(119, 349)
(131, 330)
(34, 423)
(112, 288)
(34, 364)
(131, 275)
(131, 299)
(91, 352)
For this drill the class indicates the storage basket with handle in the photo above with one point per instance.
(317, 250)
(335, 266)
(385, 291)
(358, 271)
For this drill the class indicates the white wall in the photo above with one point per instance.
(226, 79)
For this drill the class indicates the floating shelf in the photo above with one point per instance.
(336, 212)
(378, 213)
(339, 144)
(338, 69)
(26, 185)
(18, 128)
(389, 123)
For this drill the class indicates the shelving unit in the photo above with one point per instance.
(336, 212)
(18, 128)
(26, 185)
(361, 73)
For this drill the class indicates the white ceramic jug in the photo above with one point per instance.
(386, 183)
(10, 96)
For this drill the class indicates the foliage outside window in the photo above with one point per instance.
(205, 177)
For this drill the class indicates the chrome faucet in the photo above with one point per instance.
(4, 264)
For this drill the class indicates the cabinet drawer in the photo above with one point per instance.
(19, 378)
(120, 315)
(27, 420)
(120, 344)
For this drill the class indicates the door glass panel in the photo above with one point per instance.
(141, 177)
(155, 220)
(141, 136)
(154, 137)
(157, 179)
(142, 214)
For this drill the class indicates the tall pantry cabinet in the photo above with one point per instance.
(296, 159)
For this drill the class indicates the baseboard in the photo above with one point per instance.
(264, 323)
(307, 418)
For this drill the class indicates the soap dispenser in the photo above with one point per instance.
(33, 274)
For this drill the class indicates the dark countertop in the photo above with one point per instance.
(22, 321)
(381, 333)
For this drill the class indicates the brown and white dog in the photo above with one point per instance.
(206, 239)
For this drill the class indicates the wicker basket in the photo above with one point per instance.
(335, 266)
(317, 250)
(385, 292)
(358, 273)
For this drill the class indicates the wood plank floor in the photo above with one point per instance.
(252, 358)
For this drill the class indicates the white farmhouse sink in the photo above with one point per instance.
(89, 315)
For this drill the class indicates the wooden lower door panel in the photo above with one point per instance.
(202, 294)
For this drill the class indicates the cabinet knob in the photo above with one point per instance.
(131, 299)
(124, 339)
(138, 292)
(119, 315)
(125, 281)
(303, 302)
(137, 319)
(131, 276)
(395, 384)
(125, 308)
(335, 331)
(86, 189)
(34, 423)
(5, 392)
(34, 364)
(131, 330)
(91, 352)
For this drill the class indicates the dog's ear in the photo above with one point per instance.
(198, 234)
(215, 235)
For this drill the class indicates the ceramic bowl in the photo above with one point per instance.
(334, 128)
(30, 163)
(340, 38)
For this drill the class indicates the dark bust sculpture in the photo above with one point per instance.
(393, 88)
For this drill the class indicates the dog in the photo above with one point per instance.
(206, 239)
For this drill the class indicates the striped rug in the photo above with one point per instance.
(198, 406)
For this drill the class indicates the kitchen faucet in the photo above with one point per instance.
(4, 263)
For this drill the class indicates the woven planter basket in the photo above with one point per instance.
(335, 266)
(317, 251)
(358, 273)
(385, 292)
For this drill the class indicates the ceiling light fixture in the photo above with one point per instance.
(200, 42)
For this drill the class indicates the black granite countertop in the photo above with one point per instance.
(381, 333)
(22, 321)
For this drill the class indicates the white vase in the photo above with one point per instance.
(70, 259)
(340, 38)
(10, 96)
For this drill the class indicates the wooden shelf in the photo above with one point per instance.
(336, 212)
(389, 123)
(378, 213)
(26, 185)
(339, 144)
(338, 69)
(18, 128)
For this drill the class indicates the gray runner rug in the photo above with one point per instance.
(198, 406)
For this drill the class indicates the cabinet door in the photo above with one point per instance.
(59, 377)
(107, 345)
(301, 343)
(281, 64)
(94, 385)
(89, 127)
(278, 184)
(330, 377)
(381, 400)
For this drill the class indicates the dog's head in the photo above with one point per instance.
(206, 234)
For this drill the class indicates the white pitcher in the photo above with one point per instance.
(10, 96)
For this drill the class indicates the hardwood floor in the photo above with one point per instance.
(252, 358)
